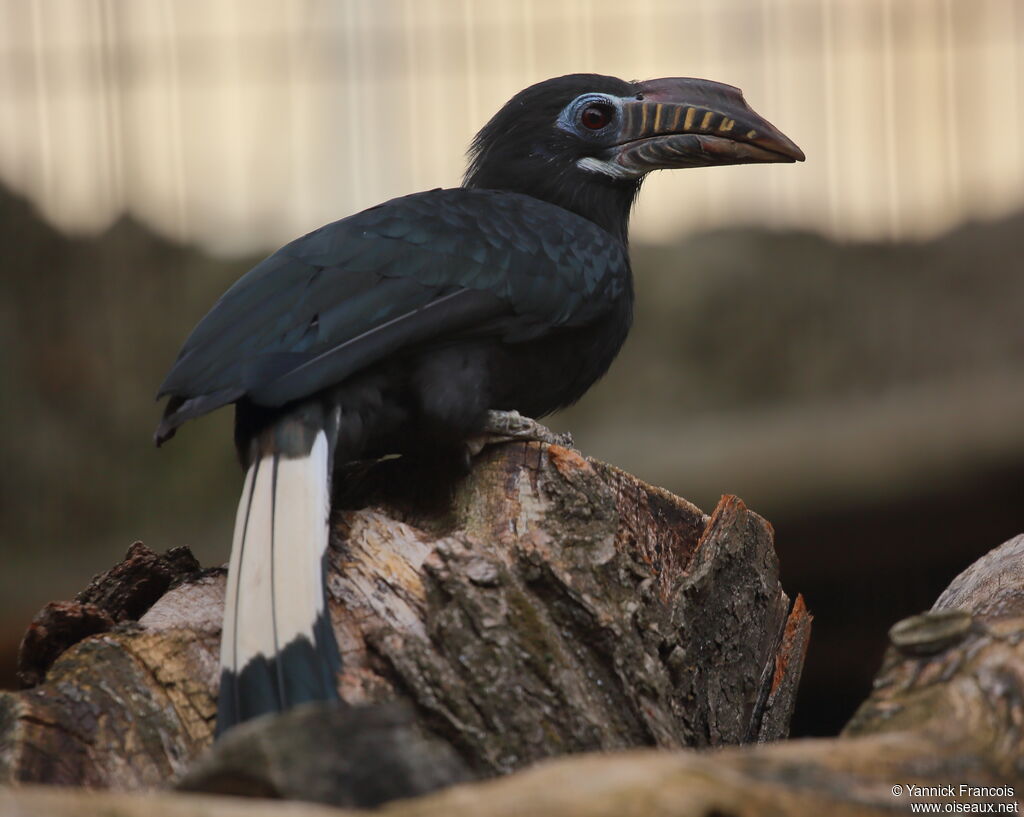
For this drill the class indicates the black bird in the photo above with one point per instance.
(405, 328)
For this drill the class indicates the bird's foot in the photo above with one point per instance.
(509, 426)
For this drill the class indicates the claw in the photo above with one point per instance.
(511, 426)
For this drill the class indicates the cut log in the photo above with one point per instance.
(944, 728)
(545, 605)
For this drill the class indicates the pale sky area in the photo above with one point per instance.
(239, 124)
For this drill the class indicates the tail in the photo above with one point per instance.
(278, 647)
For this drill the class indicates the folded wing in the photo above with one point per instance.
(423, 267)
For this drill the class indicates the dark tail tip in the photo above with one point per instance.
(302, 671)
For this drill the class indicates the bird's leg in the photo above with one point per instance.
(509, 426)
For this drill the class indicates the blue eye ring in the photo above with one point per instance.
(589, 114)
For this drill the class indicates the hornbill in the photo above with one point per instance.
(422, 323)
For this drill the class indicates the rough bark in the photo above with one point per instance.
(545, 605)
(122, 593)
(947, 710)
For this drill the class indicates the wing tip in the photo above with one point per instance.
(180, 409)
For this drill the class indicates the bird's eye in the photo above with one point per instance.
(595, 116)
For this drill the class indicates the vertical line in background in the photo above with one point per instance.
(377, 74)
(175, 139)
(529, 51)
(228, 149)
(666, 20)
(44, 184)
(828, 38)
(305, 45)
(978, 71)
(588, 41)
(796, 90)
(951, 114)
(297, 90)
(1015, 111)
(860, 94)
(412, 92)
(353, 122)
(436, 87)
(96, 89)
(502, 38)
(568, 16)
(708, 36)
(996, 54)
(469, 46)
(650, 28)
(108, 281)
(711, 193)
(586, 17)
(770, 43)
(11, 97)
(933, 176)
(920, 102)
(928, 62)
(110, 67)
(889, 114)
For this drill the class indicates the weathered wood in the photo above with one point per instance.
(343, 756)
(546, 605)
(947, 711)
(122, 593)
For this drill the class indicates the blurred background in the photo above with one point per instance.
(840, 343)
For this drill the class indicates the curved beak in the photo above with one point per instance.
(683, 122)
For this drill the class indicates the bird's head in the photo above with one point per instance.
(586, 142)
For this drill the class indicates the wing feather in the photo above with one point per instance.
(413, 269)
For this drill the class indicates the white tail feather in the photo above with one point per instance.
(300, 534)
(275, 581)
(227, 641)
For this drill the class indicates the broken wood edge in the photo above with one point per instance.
(946, 710)
(172, 650)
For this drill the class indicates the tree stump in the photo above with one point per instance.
(547, 604)
(943, 728)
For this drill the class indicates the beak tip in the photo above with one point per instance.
(788, 148)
